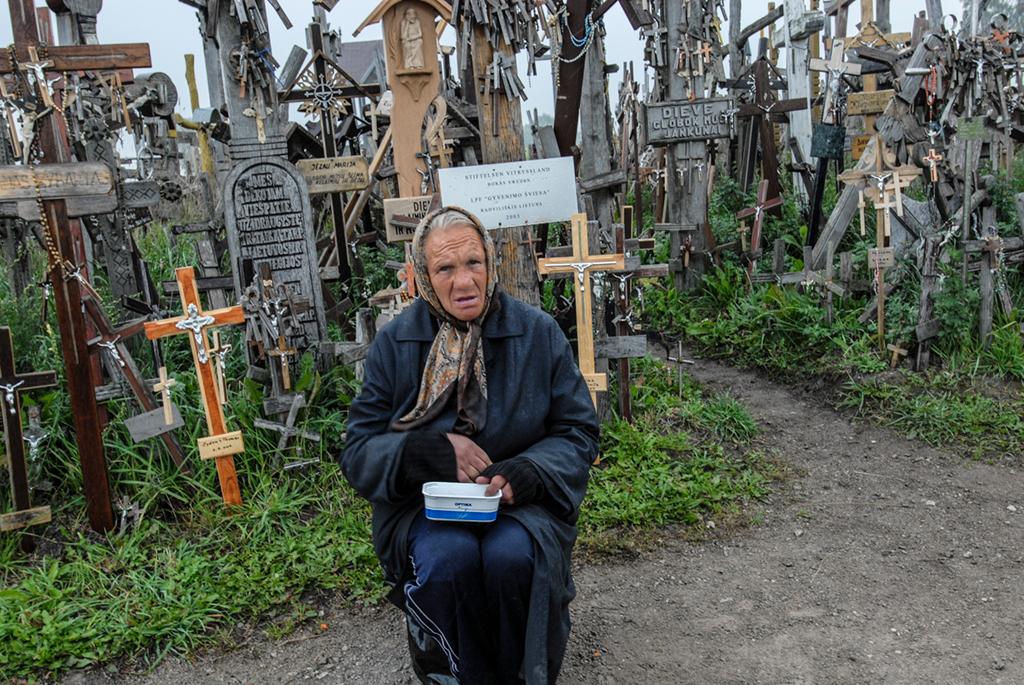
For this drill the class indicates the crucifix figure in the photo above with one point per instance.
(933, 158)
(581, 265)
(220, 444)
(757, 211)
(283, 352)
(836, 68)
(219, 351)
(13, 384)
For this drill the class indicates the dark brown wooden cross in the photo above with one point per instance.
(762, 110)
(112, 340)
(757, 211)
(11, 385)
(221, 444)
(43, 189)
(322, 87)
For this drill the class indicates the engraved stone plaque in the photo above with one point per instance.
(268, 218)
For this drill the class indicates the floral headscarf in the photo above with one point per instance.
(456, 359)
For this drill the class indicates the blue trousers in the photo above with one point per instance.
(470, 592)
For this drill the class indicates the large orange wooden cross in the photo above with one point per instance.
(221, 444)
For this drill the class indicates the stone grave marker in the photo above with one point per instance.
(269, 220)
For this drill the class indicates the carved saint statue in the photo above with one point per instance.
(412, 40)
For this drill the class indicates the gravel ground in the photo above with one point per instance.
(879, 560)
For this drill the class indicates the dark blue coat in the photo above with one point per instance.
(537, 405)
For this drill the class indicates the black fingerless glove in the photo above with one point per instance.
(522, 475)
(427, 456)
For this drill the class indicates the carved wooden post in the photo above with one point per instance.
(410, 40)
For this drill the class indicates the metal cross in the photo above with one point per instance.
(880, 180)
(581, 270)
(196, 324)
(111, 347)
(9, 394)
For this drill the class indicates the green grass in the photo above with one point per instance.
(786, 333)
(943, 409)
(171, 586)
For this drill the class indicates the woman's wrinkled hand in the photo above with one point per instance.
(470, 459)
(499, 482)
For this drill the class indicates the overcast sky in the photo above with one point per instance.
(171, 29)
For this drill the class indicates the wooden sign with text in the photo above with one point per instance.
(675, 122)
(883, 258)
(53, 181)
(335, 175)
(873, 102)
(414, 208)
(217, 446)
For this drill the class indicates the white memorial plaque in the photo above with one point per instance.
(514, 193)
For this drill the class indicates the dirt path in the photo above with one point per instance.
(879, 561)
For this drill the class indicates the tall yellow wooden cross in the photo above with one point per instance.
(581, 264)
(221, 444)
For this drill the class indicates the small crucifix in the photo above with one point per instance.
(36, 70)
(836, 68)
(757, 211)
(221, 444)
(582, 264)
(283, 352)
(933, 158)
(164, 388)
(12, 384)
(218, 351)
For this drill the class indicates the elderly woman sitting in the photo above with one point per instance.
(469, 384)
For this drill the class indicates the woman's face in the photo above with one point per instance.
(457, 266)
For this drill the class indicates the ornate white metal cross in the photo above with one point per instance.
(196, 324)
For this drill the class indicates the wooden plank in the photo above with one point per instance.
(86, 57)
(611, 179)
(23, 519)
(873, 102)
(621, 347)
(55, 181)
(78, 374)
(151, 424)
(335, 175)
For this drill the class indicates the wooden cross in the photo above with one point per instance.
(897, 353)
(220, 444)
(836, 68)
(283, 352)
(288, 430)
(164, 388)
(113, 340)
(582, 263)
(219, 351)
(11, 385)
(82, 57)
(757, 211)
(933, 158)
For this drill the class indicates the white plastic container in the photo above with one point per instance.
(460, 502)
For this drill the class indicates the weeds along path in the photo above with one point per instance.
(879, 560)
